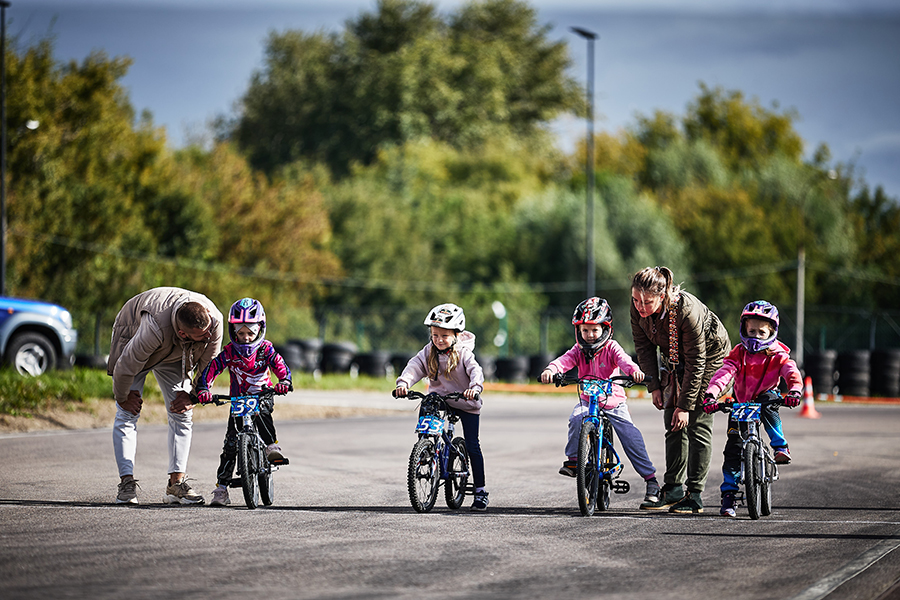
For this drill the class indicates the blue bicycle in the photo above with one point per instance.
(599, 466)
(437, 458)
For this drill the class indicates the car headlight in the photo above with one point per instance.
(66, 318)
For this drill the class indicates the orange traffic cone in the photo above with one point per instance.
(808, 408)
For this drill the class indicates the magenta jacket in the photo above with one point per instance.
(248, 375)
(755, 373)
(604, 365)
(466, 375)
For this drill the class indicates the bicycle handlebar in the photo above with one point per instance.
(769, 398)
(220, 399)
(561, 380)
(414, 395)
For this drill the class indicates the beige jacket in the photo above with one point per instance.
(144, 336)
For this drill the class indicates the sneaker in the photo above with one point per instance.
(665, 498)
(782, 456)
(273, 452)
(690, 504)
(727, 509)
(128, 491)
(182, 493)
(481, 501)
(220, 497)
(652, 494)
(568, 468)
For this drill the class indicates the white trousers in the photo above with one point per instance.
(170, 380)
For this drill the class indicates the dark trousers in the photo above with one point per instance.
(688, 451)
(227, 459)
(473, 446)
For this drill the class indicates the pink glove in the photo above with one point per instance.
(203, 396)
(710, 405)
(792, 399)
(282, 387)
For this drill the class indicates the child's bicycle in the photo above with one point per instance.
(599, 466)
(253, 467)
(758, 469)
(437, 458)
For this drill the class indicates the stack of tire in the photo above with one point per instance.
(853, 368)
(513, 369)
(302, 355)
(537, 364)
(375, 364)
(488, 366)
(885, 373)
(338, 357)
(821, 367)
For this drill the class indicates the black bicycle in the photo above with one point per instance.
(254, 469)
(437, 458)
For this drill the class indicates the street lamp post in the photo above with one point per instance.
(3, 6)
(590, 36)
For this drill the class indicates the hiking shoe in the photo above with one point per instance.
(481, 502)
(690, 504)
(727, 509)
(782, 456)
(220, 497)
(665, 498)
(652, 493)
(568, 468)
(182, 493)
(128, 491)
(273, 452)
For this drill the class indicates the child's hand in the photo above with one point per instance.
(203, 396)
(282, 387)
(638, 376)
(470, 394)
(792, 399)
(546, 376)
(400, 392)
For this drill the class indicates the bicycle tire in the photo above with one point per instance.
(266, 481)
(587, 473)
(752, 480)
(247, 459)
(457, 473)
(765, 485)
(423, 475)
(606, 458)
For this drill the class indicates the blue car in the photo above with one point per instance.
(36, 336)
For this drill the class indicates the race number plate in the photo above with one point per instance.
(746, 412)
(244, 405)
(596, 388)
(430, 425)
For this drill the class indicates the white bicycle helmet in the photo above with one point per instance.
(448, 316)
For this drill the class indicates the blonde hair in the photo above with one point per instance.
(434, 360)
(656, 281)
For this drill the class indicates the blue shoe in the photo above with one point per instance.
(727, 509)
(481, 502)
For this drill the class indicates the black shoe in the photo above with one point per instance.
(691, 504)
(481, 502)
(667, 497)
(568, 468)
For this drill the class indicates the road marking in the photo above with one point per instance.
(828, 584)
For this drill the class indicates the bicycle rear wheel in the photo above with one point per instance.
(266, 481)
(587, 474)
(765, 485)
(248, 466)
(457, 474)
(752, 479)
(606, 464)
(423, 475)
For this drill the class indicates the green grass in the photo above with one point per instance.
(21, 395)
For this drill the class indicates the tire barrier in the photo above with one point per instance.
(513, 369)
(537, 364)
(375, 364)
(338, 357)
(820, 367)
(310, 353)
(488, 366)
(884, 373)
(853, 369)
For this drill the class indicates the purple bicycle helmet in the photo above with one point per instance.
(247, 311)
(593, 311)
(759, 309)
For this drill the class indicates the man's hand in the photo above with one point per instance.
(132, 402)
(182, 403)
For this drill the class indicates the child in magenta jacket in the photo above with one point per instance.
(756, 366)
(597, 354)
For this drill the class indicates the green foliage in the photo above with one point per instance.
(20, 395)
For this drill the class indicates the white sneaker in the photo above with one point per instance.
(273, 452)
(182, 493)
(220, 497)
(128, 492)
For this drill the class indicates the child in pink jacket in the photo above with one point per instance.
(596, 353)
(756, 366)
(449, 363)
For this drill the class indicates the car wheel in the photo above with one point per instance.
(31, 354)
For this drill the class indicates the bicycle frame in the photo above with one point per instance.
(594, 389)
(438, 422)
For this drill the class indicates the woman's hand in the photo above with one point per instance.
(680, 419)
(657, 396)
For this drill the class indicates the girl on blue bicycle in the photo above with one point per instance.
(756, 366)
(449, 363)
(596, 353)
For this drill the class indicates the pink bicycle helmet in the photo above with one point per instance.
(759, 309)
(247, 311)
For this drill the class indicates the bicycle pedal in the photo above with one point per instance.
(621, 486)
(280, 462)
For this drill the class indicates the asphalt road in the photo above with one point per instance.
(342, 526)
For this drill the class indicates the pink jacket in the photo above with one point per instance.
(604, 365)
(755, 373)
(466, 375)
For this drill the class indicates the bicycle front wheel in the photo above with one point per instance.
(248, 465)
(457, 473)
(587, 473)
(752, 479)
(423, 476)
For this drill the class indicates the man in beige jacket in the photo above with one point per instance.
(174, 333)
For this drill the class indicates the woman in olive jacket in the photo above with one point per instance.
(692, 346)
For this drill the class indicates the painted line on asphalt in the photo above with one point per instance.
(828, 584)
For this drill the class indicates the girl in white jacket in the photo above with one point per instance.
(449, 363)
